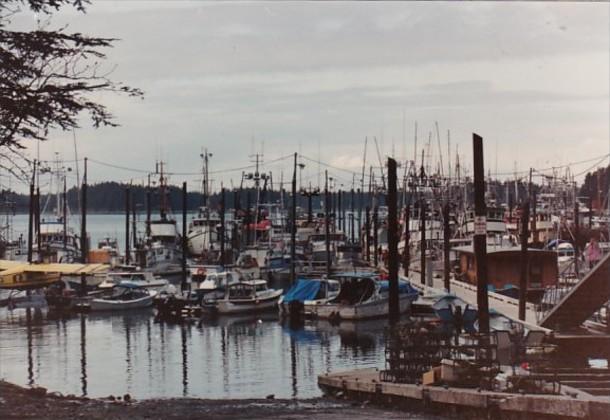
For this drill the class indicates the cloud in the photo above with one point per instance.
(301, 74)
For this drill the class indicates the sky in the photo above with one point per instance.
(318, 78)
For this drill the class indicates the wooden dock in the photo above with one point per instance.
(365, 385)
(505, 305)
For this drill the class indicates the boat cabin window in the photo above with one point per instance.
(261, 287)
(535, 274)
(240, 291)
(355, 291)
(470, 262)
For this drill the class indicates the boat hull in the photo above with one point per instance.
(367, 310)
(114, 305)
(226, 306)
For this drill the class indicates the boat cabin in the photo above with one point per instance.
(246, 289)
(504, 267)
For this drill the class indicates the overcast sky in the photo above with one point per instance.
(316, 78)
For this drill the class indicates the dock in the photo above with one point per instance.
(365, 385)
(505, 305)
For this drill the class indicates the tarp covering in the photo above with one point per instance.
(304, 289)
(445, 309)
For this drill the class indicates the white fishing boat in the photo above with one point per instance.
(123, 297)
(145, 279)
(307, 294)
(245, 296)
(203, 237)
(362, 296)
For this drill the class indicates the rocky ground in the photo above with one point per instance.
(36, 403)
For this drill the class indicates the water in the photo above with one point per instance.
(237, 357)
(99, 226)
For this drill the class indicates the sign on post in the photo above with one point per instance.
(480, 225)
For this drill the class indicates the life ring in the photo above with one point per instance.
(201, 271)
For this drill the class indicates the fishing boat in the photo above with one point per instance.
(145, 279)
(307, 293)
(124, 296)
(215, 284)
(163, 253)
(245, 296)
(363, 296)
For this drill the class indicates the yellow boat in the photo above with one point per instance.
(23, 275)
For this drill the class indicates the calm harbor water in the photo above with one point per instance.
(234, 357)
(99, 226)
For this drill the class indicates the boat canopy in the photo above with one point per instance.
(404, 287)
(304, 289)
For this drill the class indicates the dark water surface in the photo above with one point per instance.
(236, 357)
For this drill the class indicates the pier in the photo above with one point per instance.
(364, 385)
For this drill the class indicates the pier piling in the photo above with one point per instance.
(393, 242)
(184, 284)
(480, 233)
(525, 214)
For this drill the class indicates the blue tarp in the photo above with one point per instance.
(304, 289)
(445, 308)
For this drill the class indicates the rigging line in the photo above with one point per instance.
(218, 171)
(328, 165)
(591, 167)
(560, 166)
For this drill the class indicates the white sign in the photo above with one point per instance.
(480, 225)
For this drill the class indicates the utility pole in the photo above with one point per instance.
(83, 233)
(480, 234)
(525, 210)
(367, 234)
(576, 237)
(327, 223)
(406, 251)
(148, 208)
(352, 221)
(222, 226)
(31, 217)
(65, 216)
(446, 247)
(127, 214)
(184, 285)
(422, 240)
(375, 237)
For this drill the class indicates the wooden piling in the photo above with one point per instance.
(184, 285)
(293, 224)
(127, 216)
(327, 223)
(422, 240)
(480, 233)
(222, 226)
(406, 253)
(31, 220)
(367, 234)
(83, 232)
(393, 242)
(375, 235)
(523, 261)
(446, 247)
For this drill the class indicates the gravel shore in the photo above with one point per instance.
(36, 403)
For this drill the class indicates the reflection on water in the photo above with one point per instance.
(228, 357)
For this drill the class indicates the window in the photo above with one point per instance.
(535, 274)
